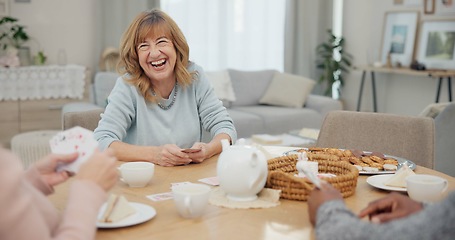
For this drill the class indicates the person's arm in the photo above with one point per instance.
(166, 155)
(335, 221)
(208, 150)
(392, 207)
(214, 118)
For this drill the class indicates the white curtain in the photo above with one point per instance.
(306, 25)
(239, 34)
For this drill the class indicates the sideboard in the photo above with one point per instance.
(31, 98)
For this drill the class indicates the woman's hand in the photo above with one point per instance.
(47, 167)
(319, 196)
(200, 156)
(100, 168)
(171, 155)
(393, 206)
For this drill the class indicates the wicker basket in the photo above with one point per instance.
(282, 171)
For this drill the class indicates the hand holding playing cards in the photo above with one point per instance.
(47, 167)
(100, 168)
(171, 155)
(200, 156)
(319, 196)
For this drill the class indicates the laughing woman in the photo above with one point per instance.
(163, 102)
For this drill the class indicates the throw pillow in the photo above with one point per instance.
(222, 85)
(288, 90)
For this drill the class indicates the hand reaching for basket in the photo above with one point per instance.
(319, 196)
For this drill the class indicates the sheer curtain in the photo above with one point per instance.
(306, 25)
(239, 34)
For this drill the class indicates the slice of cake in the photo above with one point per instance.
(399, 178)
(117, 209)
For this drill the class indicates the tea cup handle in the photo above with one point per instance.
(446, 184)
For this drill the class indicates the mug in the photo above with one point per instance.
(191, 199)
(425, 188)
(136, 174)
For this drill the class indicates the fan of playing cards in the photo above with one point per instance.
(76, 139)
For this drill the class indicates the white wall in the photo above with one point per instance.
(401, 94)
(60, 24)
(82, 28)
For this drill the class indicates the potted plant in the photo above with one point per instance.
(14, 35)
(334, 61)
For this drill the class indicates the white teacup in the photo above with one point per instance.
(425, 188)
(137, 174)
(191, 199)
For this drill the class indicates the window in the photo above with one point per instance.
(239, 34)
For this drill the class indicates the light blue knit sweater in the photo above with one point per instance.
(130, 119)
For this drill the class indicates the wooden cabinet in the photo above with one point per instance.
(30, 115)
(9, 121)
(45, 90)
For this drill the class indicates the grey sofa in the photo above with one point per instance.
(249, 116)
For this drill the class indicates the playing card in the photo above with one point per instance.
(179, 183)
(191, 150)
(161, 196)
(210, 180)
(76, 139)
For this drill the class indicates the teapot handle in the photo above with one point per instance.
(253, 163)
(224, 144)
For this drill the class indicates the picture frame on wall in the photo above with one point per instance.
(398, 38)
(429, 6)
(436, 47)
(4, 8)
(445, 7)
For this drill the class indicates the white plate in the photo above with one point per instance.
(377, 181)
(143, 214)
(400, 160)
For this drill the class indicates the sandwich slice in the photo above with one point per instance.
(399, 178)
(117, 209)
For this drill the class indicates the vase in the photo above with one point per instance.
(23, 53)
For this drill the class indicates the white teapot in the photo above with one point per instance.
(242, 171)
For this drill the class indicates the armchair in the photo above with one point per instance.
(99, 91)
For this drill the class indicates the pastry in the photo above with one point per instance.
(117, 209)
(370, 162)
(398, 179)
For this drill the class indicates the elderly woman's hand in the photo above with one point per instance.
(171, 155)
(198, 157)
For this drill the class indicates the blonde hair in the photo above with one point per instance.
(145, 24)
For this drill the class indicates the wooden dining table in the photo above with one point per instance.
(288, 220)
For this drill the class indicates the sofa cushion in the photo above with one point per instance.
(288, 90)
(278, 120)
(249, 86)
(222, 85)
(246, 124)
(102, 86)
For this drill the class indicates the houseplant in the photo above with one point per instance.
(333, 61)
(13, 35)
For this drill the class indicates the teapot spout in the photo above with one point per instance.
(225, 144)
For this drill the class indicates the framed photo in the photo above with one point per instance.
(428, 7)
(437, 44)
(398, 37)
(445, 7)
(4, 8)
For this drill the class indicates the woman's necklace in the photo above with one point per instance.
(173, 99)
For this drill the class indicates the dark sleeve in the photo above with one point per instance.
(437, 221)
